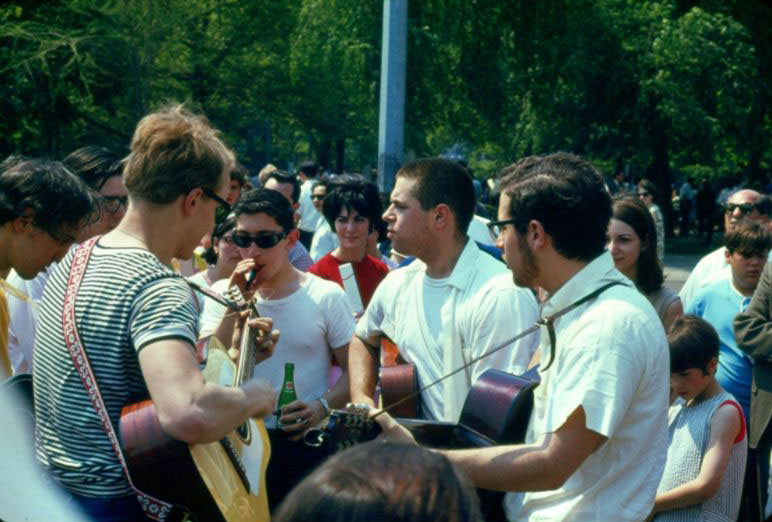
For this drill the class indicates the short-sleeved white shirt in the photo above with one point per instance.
(23, 317)
(484, 308)
(711, 268)
(312, 320)
(611, 358)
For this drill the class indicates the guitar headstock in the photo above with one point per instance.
(234, 294)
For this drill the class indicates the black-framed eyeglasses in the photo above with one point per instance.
(113, 204)
(494, 226)
(211, 194)
(263, 240)
(745, 208)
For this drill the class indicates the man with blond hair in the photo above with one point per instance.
(136, 320)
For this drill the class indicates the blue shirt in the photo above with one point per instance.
(719, 303)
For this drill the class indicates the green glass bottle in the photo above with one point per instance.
(287, 393)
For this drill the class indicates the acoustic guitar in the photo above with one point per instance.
(220, 481)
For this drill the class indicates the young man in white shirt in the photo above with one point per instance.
(595, 447)
(315, 321)
(310, 218)
(453, 303)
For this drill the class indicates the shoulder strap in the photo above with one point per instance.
(154, 508)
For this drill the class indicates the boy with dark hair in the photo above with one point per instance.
(289, 187)
(42, 208)
(315, 321)
(746, 249)
(707, 447)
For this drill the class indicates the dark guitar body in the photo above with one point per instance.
(162, 466)
(398, 382)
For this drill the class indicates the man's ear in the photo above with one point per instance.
(190, 200)
(712, 366)
(442, 216)
(292, 237)
(536, 235)
(20, 223)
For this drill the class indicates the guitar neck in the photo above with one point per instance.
(247, 353)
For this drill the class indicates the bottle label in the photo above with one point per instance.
(289, 385)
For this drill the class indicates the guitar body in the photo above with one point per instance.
(219, 481)
(398, 380)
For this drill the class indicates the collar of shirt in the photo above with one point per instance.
(465, 265)
(596, 273)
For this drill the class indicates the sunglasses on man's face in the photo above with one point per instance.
(112, 204)
(745, 208)
(263, 240)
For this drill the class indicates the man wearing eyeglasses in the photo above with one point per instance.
(313, 316)
(743, 206)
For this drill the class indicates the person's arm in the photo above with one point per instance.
(534, 467)
(362, 369)
(190, 409)
(724, 428)
(753, 327)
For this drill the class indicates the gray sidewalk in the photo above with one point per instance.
(677, 269)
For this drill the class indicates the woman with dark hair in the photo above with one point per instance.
(222, 257)
(631, 240)
(376, 481)
(351, 208)
(647, 192)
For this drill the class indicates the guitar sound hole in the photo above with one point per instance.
(243, 431)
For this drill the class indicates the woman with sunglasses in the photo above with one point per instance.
(221, 257)
(647, 192)
(631, 240)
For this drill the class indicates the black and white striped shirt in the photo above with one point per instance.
(127, 300)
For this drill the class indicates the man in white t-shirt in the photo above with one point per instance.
(597, 439)
(315, 321)
(743, 205)
(452, 304)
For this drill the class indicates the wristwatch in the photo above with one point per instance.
(325, 406)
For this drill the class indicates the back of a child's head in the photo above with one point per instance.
(693, 344)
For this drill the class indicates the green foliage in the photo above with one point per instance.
(656, 85)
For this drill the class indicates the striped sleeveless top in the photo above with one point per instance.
(688, 437)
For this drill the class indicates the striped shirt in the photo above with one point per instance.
(127, 300)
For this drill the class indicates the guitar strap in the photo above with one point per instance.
(154, 508)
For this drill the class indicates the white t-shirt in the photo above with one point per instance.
(436, 294)
(312, 320)
(483, 309)
(324, 242)
(310, 218)
(612, 359)
(23, 317)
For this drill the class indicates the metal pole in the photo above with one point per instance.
(391, 121)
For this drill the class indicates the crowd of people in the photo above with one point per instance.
(118, 278)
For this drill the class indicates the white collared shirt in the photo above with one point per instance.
(612, 359)
(483, 309)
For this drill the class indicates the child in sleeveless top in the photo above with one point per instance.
(707, 443)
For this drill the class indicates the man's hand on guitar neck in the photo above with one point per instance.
(262, 338)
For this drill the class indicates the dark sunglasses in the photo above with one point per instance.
(211, 194)
(112, 204)
(493, 226)
(745, 208)
(263, 240)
